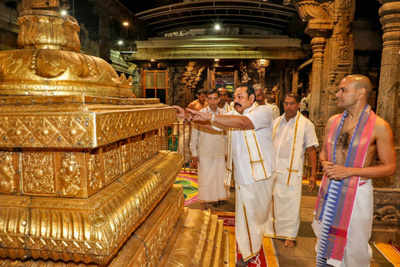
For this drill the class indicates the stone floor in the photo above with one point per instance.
(304, 253)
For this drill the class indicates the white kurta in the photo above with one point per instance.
(209, 146)
(275, 110)
(284, 219)
(253, 186)
(357, 252)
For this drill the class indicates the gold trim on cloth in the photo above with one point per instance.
(280, 237)
(252, 161)
(290, 170)
(273, 214)
(248, 229)
(293, 149)
(228, 168)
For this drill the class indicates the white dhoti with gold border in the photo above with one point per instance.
(252, 205)
(291, 138)
(251, 152)
(209, 146)
(284, 216)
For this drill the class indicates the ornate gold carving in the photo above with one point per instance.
(70, 191)
(117, 126)
(37, 102)
(36, 4)
(144, 246)
(79, 174)
(95, 170)
(50, 62)
(76, 130)
(38, 173)
(148, 242)
(75, 74)
(112, 164)
(85, 230)
(70, 175)
(41, 31)
(8, 171)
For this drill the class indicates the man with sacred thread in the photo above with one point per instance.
(251, 151)
(293, 136)
(344, 208)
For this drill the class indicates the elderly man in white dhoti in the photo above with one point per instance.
(208, 147)
(251, 150)
(293, 136)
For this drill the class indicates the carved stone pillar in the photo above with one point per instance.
(319, 27)
(339, 57)
(389, 84)
(329, 23)
(295, 81)
(318, 44)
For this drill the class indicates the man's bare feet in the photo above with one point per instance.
(290, 243)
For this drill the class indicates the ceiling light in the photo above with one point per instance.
(217, 26)
(120, 42)
(63, 12)
(263, 62)
(125, 23)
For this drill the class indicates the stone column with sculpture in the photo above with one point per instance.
(387, 192)
(319, 27)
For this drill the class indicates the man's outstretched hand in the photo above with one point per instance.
(182, 114)
(199, 116)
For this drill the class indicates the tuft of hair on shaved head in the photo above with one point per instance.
(360, 81)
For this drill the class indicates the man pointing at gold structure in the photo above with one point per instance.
(251, 151)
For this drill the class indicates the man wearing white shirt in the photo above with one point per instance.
(293, 136)
(275, 108)
(261, 100)
(208, 155)
(251, 150)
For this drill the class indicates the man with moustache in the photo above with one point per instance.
(208, 155)
(252, 153)
(343, 216)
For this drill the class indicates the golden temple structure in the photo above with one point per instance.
(84, 177)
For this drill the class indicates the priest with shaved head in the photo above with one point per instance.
(344, 210)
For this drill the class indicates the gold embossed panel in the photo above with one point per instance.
(75, 173)
(9, 182)
(84, 230)
(79, 129)
(152, 236)
(38, 173)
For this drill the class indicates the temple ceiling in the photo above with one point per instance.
(268, 16)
